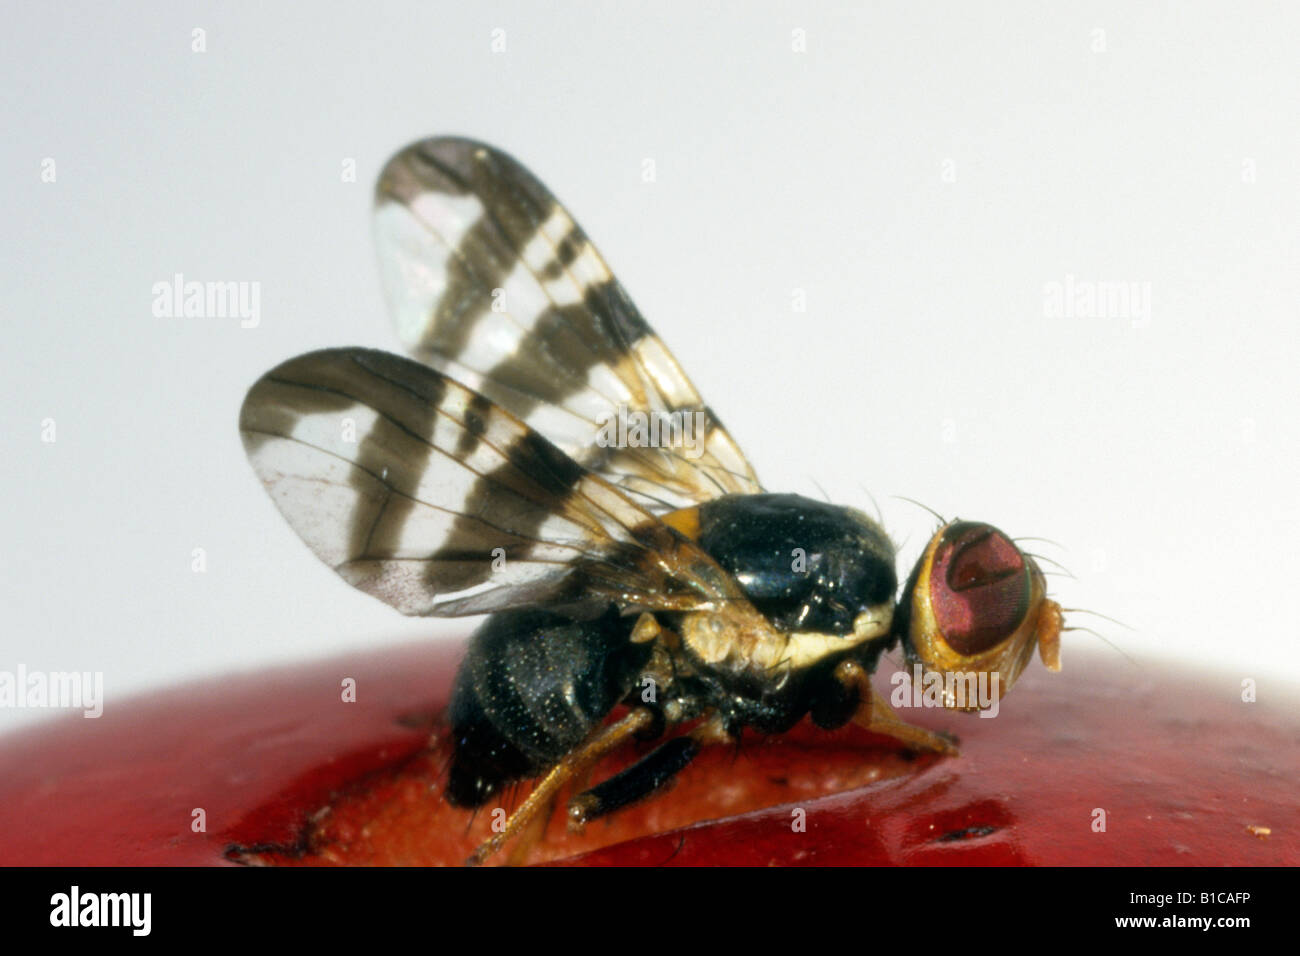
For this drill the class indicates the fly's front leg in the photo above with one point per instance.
(875, 714)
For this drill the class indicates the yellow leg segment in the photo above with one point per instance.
(579, 761)
(876, 716)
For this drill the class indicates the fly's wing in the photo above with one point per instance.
(491, 281)
(428, 496)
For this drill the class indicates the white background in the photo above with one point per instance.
(923, 171)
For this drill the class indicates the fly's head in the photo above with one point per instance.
(973, 610)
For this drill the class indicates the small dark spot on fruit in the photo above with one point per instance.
(969, 833)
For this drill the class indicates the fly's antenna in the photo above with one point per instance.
(1098, 634)
(1102, 637)
(1104, 617)
(942, 519)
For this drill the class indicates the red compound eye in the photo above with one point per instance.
(979, 587)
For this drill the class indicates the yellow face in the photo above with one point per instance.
(975, 608)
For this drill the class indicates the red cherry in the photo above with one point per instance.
(276, 759)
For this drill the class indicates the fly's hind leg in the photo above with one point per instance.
(627, 786)
(875, 715)
(652, 772)
(580, 760)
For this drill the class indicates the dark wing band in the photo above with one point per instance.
(425, 494)
(490, 280)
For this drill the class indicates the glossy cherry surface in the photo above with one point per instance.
(1182, 768)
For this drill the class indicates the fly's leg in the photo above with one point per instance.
(597, 746)
(653, 771)
(532, 834)
(875, 715)
(633, 783)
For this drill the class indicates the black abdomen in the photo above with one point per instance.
(533, 686)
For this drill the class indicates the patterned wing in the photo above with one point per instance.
(425, 494)
(491, 281)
